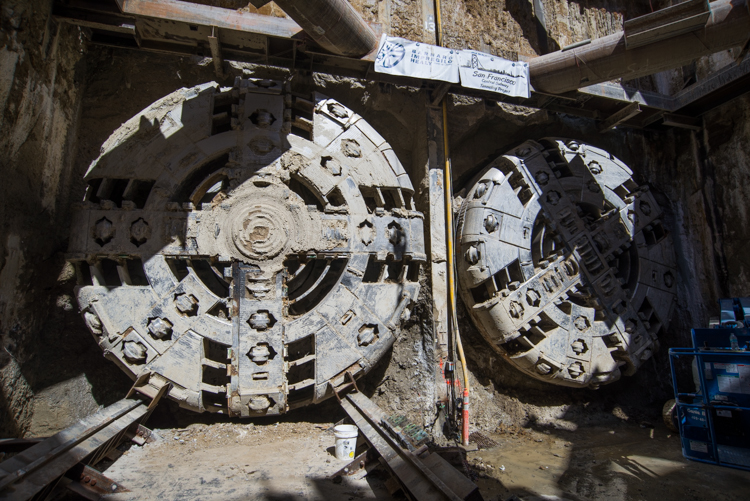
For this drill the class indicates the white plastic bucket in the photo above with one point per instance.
(346, 440)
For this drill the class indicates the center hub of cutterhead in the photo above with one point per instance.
(262, 228)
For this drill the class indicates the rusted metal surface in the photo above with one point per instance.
(422, 475)
(206, 15)
(358, 464)
(243, 260)
(333, 24)
(111, 28)
(608, 58)
(41, 466)
(92, 484)
(142, 435)
(665, 23)
(17, 444)
(565, 265)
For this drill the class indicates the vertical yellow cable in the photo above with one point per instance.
(447, 178)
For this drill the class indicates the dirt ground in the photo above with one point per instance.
(622, 462)
(294, 460)
(227, 461)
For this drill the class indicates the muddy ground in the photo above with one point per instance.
(614, 460)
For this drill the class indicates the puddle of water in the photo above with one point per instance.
(619, 463)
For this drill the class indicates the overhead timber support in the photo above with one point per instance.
(333, 24)
(609, 58)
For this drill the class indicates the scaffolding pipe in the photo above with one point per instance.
(333, 24)
(448, 191)
(607, 58)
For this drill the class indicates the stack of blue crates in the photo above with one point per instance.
(714, 415)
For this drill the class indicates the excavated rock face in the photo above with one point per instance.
(248, 246)
(564, 263)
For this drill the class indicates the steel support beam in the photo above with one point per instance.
(215, 44)
(608, 58)
(621, 116)
(437, 250)
(719, 87)
(682, 122)
(665, 23)
(333, 24)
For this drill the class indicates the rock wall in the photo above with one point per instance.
(725, 169)
(40, 76)
(61, 100)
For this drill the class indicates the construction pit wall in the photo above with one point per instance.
(62, 99)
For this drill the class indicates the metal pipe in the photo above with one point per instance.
(333, 24)
(607, 58)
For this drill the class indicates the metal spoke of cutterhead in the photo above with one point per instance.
(565, 263)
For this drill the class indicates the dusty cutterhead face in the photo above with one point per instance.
(565, 264)
(248, 246)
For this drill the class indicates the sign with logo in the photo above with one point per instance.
(487, 72)
(399, 56)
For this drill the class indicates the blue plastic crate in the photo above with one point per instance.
(714, 416)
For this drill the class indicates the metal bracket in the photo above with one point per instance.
(141, 435)
(90, 483)
(439, 92)
(345, 387)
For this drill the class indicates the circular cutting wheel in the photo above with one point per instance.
(247, 246)
(564, 263)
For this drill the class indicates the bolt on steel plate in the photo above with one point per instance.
(247, 245)
(565, 264)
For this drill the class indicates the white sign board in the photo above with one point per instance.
(399, 56)
(487, 72)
